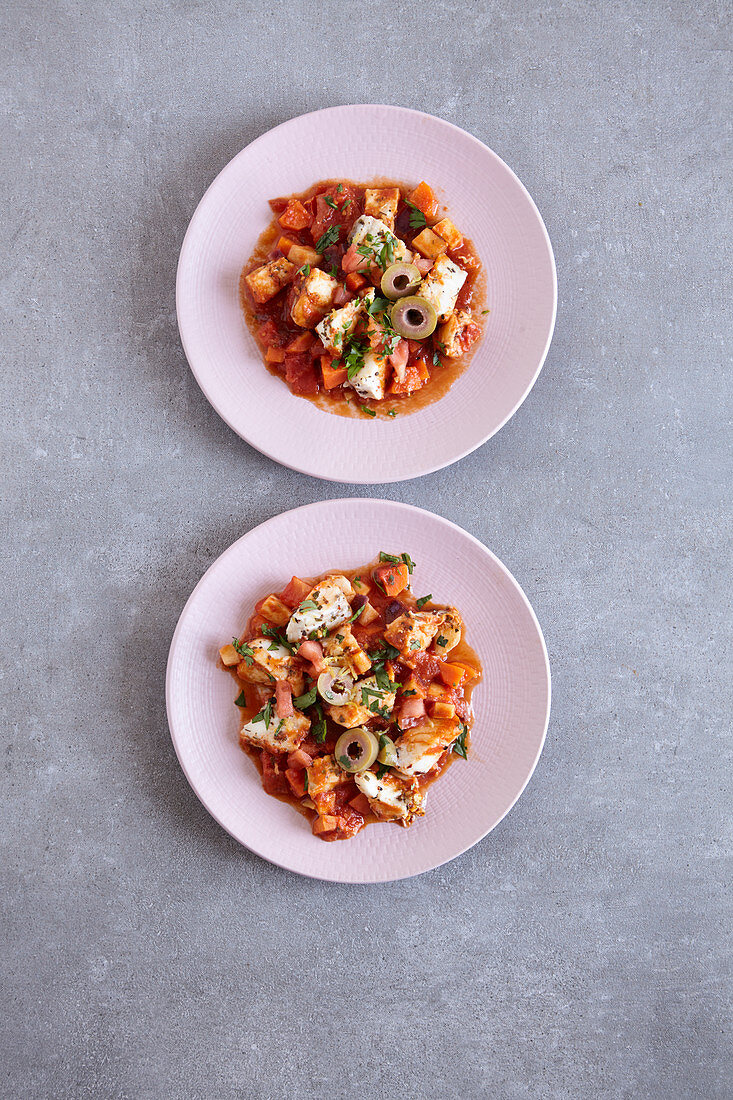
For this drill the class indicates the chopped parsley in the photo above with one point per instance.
(347, 202)
(423, 600)
(459, 745)
(367, 410)
(308, 605)
(381, 770)
(354, 358)
(356, 614)
(345, 763)
(305, 269)
(330, 202)
(391, 412)
(417, 218)
(279, 637)
(383, 680)
(307, 699)
(340, 188)
(441, 641)
(241, 700)
(408, 562)
(486, 311)
(393, 558)
(437, 361)
(243, 650)
(329, 237)
(305, 780)
(265, 715)
(415, 644)
(408, 692)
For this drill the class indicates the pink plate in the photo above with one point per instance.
(485, 199)
(512, 702)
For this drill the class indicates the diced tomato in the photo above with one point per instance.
(274, 780)
(296, 779)
(283, 699)
(361, 804)
(324, 824)
(299, 759)
(452, 675)
(295, 592)
(393, 578)
(353, 261)
(417, 373)
(427, 666)
(278, 205)
(269, 334)
(411, 709)
(423, 197)
(300, 374)
(255, 625)
(295, 216)
(399, 356)
(332, 375)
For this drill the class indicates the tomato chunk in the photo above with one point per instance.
(423, 197)
(295, 592)
(417, 373)
(300, 374)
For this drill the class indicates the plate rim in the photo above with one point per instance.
(429, 469)
(399, 505)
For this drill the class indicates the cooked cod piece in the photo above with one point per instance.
(277, 735)
(315, 298)
(391, 797)
(450, 333)
(324, 608)
(266, 281)
(413, 632)
(367, 700)
(271, 661)
(324, 776)
(373, 233)
(340, 323)
(449, 632)
(420, 748)
(442, 284)
(371, 379)
(342, 650)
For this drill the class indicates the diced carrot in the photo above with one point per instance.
(423, 197)
(275, 355)
(355, 281)
(302, 342)
(452, 675)
(392, 578)
(284, 244)
(332, 376)
(361, 804)
(325, 824)
(295, 216)
(295, 592)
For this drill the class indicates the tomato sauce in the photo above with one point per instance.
(332, 206)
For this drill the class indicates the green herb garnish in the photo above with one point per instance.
(243, 650)
(393, 558)
(279, 637)
(330, 202)
(368, 411)
(265, 714)
(241, 700)
(408, 562)
(329, 237)
(417, 218)
(307, 699)
(441, 641)
(305, 269)
(308, 605)
(459, 745)
(423, 600)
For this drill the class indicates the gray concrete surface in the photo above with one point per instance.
(582, 950)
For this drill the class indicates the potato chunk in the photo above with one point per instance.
(429, 244)
(447, 230)
(267, 281)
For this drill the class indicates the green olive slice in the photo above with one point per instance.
(414, 318)
(356, 750)
(400, 280)
(387, 751)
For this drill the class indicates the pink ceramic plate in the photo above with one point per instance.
(487, 202)
(511, 703)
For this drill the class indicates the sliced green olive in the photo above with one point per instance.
(356, 750)
(335, 687)
(413, 317)
(400, 280)
(387, 751)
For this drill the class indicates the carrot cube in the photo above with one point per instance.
(423, 197)
(392, 578)
(285, 244)
(332, 376)
(452, 675)
(275, 355)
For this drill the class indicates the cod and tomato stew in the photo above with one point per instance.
(354, 695)
(364, 295)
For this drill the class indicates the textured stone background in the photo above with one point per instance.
(581, 950)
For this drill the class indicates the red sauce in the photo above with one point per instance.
(332, 207)
(278, 781)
